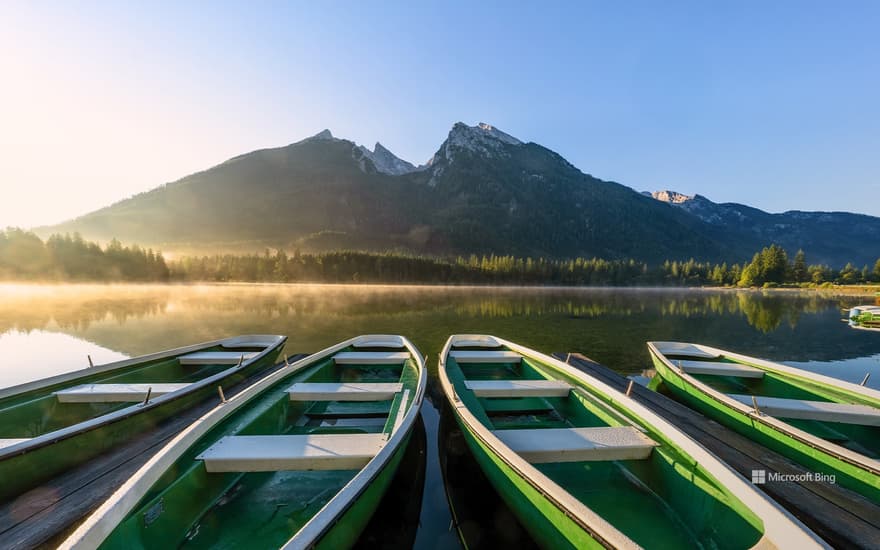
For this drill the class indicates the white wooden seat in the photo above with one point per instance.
(684, 349)
(479, 356)
(578, 444)
(11, 442)
(215, 357)
(114, 393)
(799, 409)
(344, 391)
(371, 357)
(246, 345)
(518, 388)
(272, 453)
(393, 343)
(476, 342)
(719, 369)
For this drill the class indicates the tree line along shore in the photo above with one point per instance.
(26, 257)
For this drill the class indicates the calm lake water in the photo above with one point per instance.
(45, 330)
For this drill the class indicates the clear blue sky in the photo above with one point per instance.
(774, 104)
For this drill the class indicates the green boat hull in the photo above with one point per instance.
(180, 500)
(37, 465)
(569, 498)
(346, 531)
(809, 455)
(547, 524)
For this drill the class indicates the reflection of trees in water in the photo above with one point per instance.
(767, 311)
(609, 324)
(764, 311)
(77, 307)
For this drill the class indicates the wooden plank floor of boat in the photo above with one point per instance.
(43, 516)
(843, 518)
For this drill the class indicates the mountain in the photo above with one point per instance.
(386, 162)
(492, 193)
(483, 191)
(828, 237)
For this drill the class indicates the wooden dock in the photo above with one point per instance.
(843, 518)
(43, 516)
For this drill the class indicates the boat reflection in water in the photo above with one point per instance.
(482, 519)
(865, 317)
(396, 520)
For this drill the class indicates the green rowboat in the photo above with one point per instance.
(298, 460)
(50, 425)
(827, 425)
(584, 466)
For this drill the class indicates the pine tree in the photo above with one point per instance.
(799, 269)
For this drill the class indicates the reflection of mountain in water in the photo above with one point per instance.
(611, 325)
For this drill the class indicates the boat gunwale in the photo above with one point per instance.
(327, 516)
(71, 376)
(783, 528)
(102, 521)
(836, 451)
(73, 430)
(596, 526)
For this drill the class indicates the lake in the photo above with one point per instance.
(45, 330)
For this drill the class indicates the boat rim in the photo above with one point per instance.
(779, 526)
(10, 391)
(67, 432)
(842, 453)
(100, 523)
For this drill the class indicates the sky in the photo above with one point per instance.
(771, 104)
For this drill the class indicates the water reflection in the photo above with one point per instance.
(395, 522)
(610, 325)
(851, 370)
(480, 516)
(43, 327)
(57, 353)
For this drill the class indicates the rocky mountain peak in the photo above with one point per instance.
(672, 197)
(385, 161)
(482, 139)
(322, 135)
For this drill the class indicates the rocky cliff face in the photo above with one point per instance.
(672, 197)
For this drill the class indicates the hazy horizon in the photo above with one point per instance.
(773, 106)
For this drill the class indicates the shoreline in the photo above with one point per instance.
(870, 290)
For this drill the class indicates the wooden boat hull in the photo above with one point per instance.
(36, 459)
(584, 498)
(282, 464)
(852, 470)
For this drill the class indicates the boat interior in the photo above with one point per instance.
(824, 411)
(631, 476)
(43, 410)
(258, 476)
